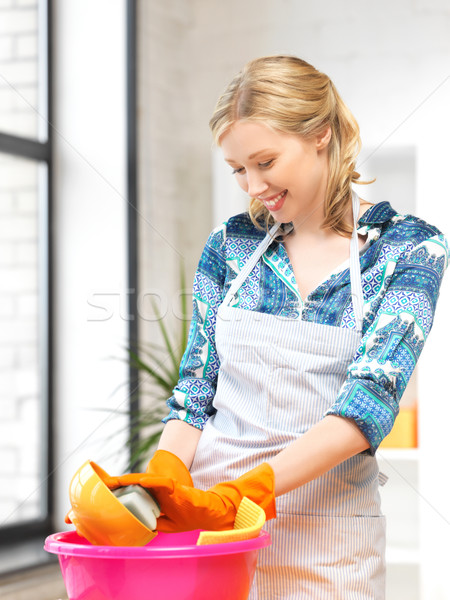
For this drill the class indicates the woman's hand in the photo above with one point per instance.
(163, 464)
(173, 458)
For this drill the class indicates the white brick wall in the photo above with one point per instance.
(20, 415)
(19, 67)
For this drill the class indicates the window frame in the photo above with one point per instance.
(132, 212)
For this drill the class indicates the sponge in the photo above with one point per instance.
(248, 523)
(140, 503)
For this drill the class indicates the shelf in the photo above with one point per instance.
(398, 454)
(396, 555)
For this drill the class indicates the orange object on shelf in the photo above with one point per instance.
(404, 432)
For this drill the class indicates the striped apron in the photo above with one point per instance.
(277, 378)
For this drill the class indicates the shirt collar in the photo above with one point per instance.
(377, 214)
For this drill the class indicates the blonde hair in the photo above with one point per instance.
(291, 96)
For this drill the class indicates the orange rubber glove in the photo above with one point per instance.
(185, 508)
(162, 464)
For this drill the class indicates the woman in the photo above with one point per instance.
(310, 313)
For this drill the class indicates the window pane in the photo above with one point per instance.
(22, 436)
(22, 84)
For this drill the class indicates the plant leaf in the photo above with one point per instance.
(139, 364)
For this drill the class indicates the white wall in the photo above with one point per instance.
(90, 234)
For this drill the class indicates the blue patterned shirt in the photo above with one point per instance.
(402, 265)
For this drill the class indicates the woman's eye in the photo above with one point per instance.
(262, 165)
(266, 164)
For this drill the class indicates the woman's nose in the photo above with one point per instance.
(255, 185)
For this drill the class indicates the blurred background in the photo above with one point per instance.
(109, 185)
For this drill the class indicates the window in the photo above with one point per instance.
(25, 349)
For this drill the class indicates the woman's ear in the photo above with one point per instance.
(323, 138)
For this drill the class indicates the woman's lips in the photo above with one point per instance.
(274, 202)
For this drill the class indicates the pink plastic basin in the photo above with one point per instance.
(170, 567)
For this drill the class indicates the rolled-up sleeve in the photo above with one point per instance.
(193, 395)
(391, 347)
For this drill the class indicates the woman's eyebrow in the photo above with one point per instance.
(254, 155)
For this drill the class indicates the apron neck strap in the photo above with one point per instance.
(250, 264)
(355, 268)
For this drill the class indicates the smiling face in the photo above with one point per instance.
(286, 172)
